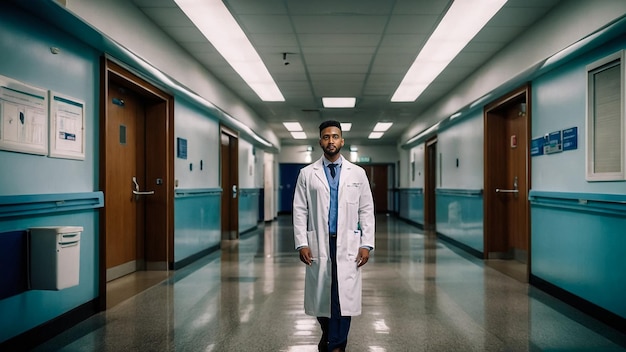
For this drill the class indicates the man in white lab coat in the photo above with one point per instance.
(333, 219)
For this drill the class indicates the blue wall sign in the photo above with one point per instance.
(553, 142)
(181, 148)
(570, 138)
(536, 146)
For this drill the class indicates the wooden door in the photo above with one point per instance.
(507, 177)
(125, 159)
(230, 183)
(136, 231)
(378, 176)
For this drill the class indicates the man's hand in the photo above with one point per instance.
(305, 255)
(362, 257)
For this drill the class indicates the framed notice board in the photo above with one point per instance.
(23, 117)
(67, 127)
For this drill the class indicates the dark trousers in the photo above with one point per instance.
(334, 329)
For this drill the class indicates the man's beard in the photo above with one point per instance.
(329, 152)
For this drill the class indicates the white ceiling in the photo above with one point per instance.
(358, 48)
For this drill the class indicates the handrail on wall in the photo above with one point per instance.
(459, 192)
(196, 192)
(19, 205)
(611, 204)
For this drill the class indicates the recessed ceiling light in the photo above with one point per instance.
(375, 135)
(339, 102)
(463, 20)
(382, 126)
(346, 126)
(292, 126)
(298, 135)
(217, 25)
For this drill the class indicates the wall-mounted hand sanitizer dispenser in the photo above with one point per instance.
(54, 256)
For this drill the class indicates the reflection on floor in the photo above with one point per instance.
(130, 285)
(419, 294)
(510, 267)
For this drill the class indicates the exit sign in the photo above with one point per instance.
(364, 159)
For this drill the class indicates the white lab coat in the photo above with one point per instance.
(310, 221)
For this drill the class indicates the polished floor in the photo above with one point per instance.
(419, 294)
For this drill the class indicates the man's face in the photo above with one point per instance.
(331, 141)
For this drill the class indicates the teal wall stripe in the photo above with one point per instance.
(248, 209)
(411, 205)
(21, 205)
(197, 223)
(460, 216)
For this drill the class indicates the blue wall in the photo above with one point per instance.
(31, 308)
(578, 245)
(577, 226)
(25, 43)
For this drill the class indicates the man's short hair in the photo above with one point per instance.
(329, 123)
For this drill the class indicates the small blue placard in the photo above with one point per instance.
(570, 138)
(536, 146)
(181, 148)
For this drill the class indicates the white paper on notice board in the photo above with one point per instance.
(67, 127)
(23, 117)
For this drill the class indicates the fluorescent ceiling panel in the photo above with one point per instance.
(339, 102)
(292, 126)
(464, 19)
(298, 135)
(382, 126)
(217, 24)
(346, 126)
(375, 135)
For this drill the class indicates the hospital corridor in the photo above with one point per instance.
(419, 294)
(168, 166)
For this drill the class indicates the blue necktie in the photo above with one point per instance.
(332, 169)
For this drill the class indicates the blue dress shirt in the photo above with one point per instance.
(333, 183)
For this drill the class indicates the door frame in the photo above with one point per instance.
(430, 184)
(493, 155)
(160, 162)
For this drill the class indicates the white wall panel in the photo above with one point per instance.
(202, 135)
(463, 142)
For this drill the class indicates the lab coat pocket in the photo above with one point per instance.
(353, 192)
(354, 242)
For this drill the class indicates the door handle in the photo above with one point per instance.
(515, 190)
(498, 190)
(234, 191)
(137, 192)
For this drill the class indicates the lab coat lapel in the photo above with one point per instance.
(319, 173)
